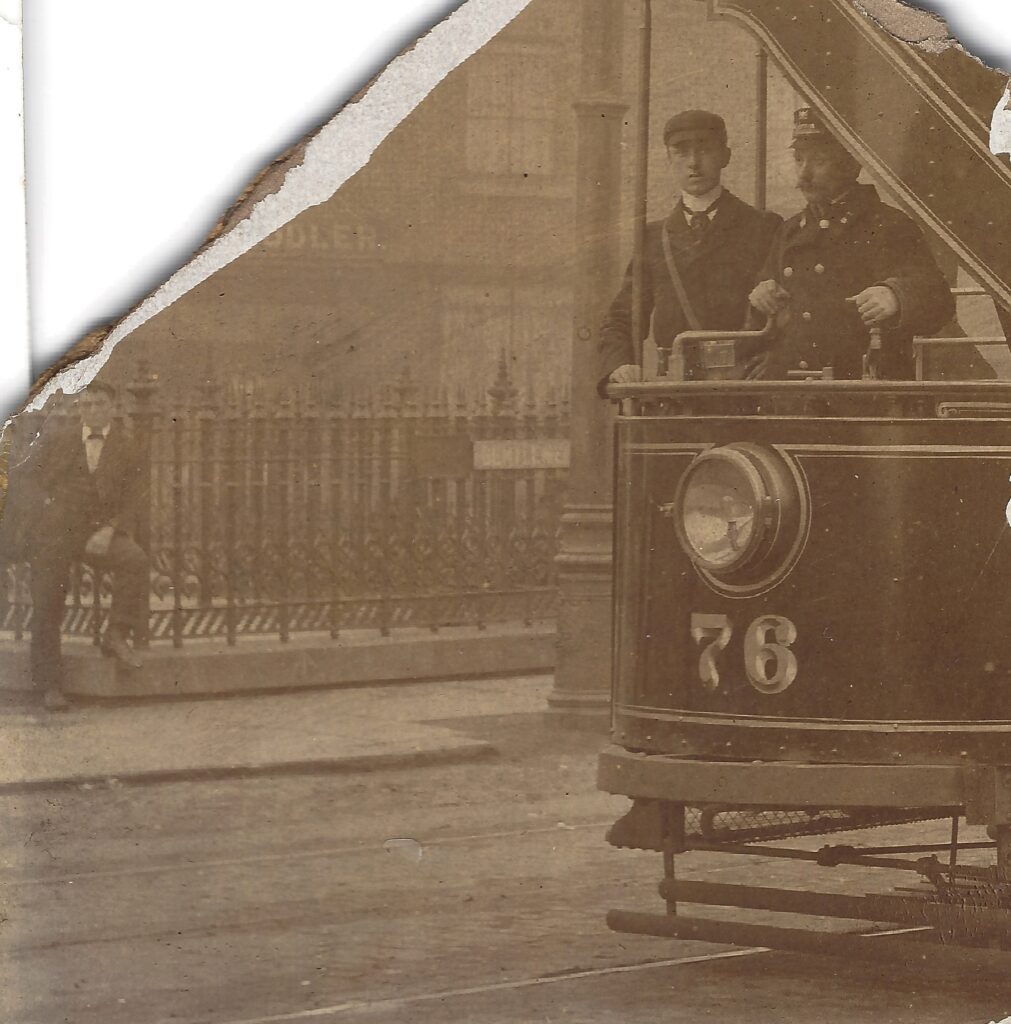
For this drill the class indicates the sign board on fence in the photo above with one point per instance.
(533, 453)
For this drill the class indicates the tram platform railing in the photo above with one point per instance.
(922, 345)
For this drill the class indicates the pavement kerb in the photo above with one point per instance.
(335, 731)
(307, 661)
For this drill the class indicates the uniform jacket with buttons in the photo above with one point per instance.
(53, 500)
(717, 269)
(821, 261)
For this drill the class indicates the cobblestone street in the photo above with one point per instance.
(471, 892)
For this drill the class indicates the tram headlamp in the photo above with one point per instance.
(722, 510)
(740, 515)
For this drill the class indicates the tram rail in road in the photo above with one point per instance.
(394, 1003)
(189, 866)
(325, 1013)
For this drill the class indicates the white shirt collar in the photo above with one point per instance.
(86, 431)
(697, 204)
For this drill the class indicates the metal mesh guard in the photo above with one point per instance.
(719, 823)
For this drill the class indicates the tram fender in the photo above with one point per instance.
(780, 784)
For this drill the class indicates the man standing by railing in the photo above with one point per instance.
(699, 263)
(73, 497)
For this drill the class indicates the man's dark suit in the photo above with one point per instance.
(717, 266)
(55, 503)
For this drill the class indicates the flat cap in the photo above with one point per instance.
(693, 123)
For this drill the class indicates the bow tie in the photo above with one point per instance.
(96, 436)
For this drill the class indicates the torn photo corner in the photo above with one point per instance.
(311, 171)
(616, 374)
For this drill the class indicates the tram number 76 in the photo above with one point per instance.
(768, 661)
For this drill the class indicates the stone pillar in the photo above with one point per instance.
(583, 672)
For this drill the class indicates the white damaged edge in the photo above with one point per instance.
(340, 149)
(1000, 126)
(10, 12)
(910, 24)
(15, 372)
(930, 32)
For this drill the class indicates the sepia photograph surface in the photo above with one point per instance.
(558, 575)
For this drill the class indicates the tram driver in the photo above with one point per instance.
(845, 264)
(699, 263)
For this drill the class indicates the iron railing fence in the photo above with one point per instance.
(275, 513)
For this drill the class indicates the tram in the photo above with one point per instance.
(812, 632)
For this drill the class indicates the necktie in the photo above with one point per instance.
(699, 223)
(699, 220)
(93, 449)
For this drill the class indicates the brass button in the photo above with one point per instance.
(805, 315)
(819, 268)
(844, 220)
(787, 271)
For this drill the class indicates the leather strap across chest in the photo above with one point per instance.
(677, 282)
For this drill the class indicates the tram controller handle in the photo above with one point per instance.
(872, 357)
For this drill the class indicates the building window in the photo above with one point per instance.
(512, 97)
(531, 324)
